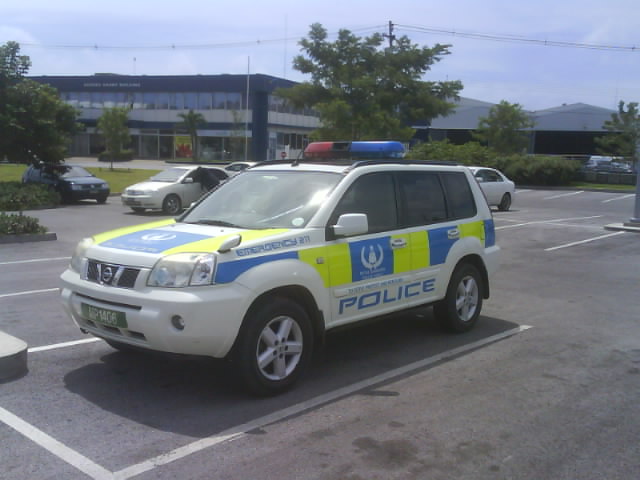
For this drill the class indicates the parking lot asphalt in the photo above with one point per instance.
(546, 386)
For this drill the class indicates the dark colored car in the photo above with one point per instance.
(70, 181)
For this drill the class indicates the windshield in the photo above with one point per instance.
(259, 200)
(73, 171)
(170, 175)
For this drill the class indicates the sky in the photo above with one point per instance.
(539, 54)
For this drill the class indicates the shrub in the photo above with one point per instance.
(522, 169)
(16, 196)
(19, 224)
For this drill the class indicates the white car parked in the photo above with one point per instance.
(173, 189)
(499, 190)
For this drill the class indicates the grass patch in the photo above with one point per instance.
(118, 178)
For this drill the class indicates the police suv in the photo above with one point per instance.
(261, 267)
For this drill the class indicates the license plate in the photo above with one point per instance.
(110, 318)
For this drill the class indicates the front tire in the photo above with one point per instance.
(274, 346)
(505, 203)
(460, 309)
(171, 205)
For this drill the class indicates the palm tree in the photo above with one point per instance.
(190, 122)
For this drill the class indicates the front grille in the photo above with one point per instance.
(111, 274)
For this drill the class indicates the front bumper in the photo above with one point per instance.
(212, 315)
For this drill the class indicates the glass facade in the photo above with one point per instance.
(154, 119)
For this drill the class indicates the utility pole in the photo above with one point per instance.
(390, 35)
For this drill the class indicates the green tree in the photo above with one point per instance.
(624, 136)
(34, 122)
(504, 129)
(191, 121)
(365, 91)
(113, 126)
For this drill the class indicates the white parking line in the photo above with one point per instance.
(564, 195)
(55, 447)
(619, 198)
(240, 430)
(55, 346)
(34, 260)
(537, 222)
(29, 292)
(572, 244)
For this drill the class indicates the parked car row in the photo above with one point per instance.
(606, 164)
(176, 188)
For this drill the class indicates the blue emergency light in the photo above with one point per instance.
(361, 150)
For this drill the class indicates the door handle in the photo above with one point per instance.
(453, 234)
(398, 243)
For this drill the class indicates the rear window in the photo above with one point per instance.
(460, 201)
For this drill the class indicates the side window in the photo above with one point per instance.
(460, 201)
(373, 194)
(493, 176)
(422, 198)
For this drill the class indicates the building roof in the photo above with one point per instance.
(577, 117)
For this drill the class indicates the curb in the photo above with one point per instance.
(13, 358)
(623, 227)
(25, 238)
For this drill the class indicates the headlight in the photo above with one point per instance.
(80, 254)
(182, 270)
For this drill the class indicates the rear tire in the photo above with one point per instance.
(274, 346)
(171, 205)
(458, 312)
(505, 202)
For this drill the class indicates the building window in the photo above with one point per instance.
(137, 102)
(234, 101)
(149, 101)
(220, 100)
(204, 101)
(99, 99)
(175, 101)
(162, 101)
(190, 101)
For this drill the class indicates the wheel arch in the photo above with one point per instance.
(477, 262)
(295, 293)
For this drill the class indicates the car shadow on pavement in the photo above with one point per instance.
(198, 397)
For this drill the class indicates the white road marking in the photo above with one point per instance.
(619, 198)
(564, 195)
(29, 292)
(573, 244)
(523, 191)
(34, 260)
(537, 222)
(55, 447)
(240, 430)
(55, 346)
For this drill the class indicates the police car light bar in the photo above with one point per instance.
(372, 150)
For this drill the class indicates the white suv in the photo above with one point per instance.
(260, 268)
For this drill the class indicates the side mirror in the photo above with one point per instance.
(351, 224)
(187, 180)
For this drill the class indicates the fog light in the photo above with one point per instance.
(178, 322)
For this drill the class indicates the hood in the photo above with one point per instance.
(142, 245)
(150, 186)
(83, 180)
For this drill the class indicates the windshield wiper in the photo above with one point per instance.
(217, 223)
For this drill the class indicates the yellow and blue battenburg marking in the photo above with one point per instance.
(337, 264)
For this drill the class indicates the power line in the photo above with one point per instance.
(517, 39)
